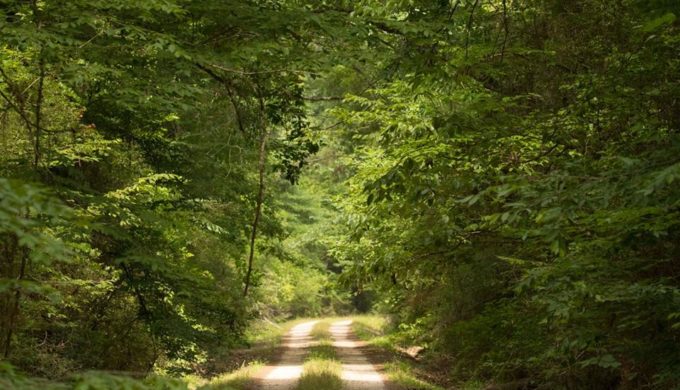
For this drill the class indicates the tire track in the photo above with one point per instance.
(286, 373)
(357, 371)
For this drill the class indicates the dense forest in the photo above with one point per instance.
(500, 178)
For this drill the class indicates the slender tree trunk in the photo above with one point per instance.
(260, 195)
(6, 297)
(469, 27)
(14, 310)
(506, 29)
(37, 152)
(41, 84)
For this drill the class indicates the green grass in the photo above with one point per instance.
(239, 379)
(321, 330)
(473, 385)
(373, 329)
(322, 368)
(320, 374)
(372, 323)
(323, 351)
(401, 373)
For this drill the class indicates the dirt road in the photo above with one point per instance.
(357, 372)
(285, 374)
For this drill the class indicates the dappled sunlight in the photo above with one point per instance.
(360, 373)
(302, 330)
(286, 374)
(357, 372)
(352, 370)
(345, 344)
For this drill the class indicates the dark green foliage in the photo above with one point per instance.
(515, 196)
(500, 175)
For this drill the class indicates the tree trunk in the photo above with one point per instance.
(13, 306)
(38, 112)
(260, 195)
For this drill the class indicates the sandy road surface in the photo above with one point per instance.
(357, 372)
(285, 375)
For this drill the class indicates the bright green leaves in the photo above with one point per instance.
(150, 190)
(89, 147)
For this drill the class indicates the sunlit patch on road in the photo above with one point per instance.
(357, 372)
(286, 374)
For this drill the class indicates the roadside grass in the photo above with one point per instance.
(240, 379)
(474, 385)
(12, 380)
(238, 367)
(322, 368)
(402, 374)
(373, 329)
(401, 371)
(371, 323)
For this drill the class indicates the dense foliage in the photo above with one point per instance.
(500, 175)
(131, 150)
(515, 197)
